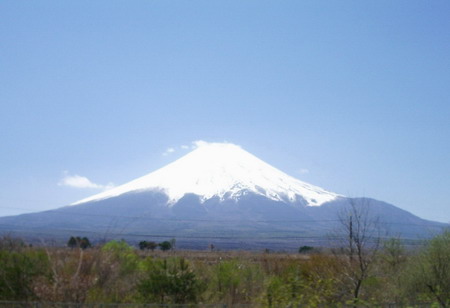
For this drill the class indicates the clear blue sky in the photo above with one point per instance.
(352, 96)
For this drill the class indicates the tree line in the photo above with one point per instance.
(151, 245)
(85, 243)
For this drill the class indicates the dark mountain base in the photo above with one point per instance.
(253, 222)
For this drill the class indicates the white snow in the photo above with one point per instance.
(224, 170)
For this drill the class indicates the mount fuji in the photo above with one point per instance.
(216, 193)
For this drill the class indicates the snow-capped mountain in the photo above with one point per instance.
(217, 193)
(221, 170)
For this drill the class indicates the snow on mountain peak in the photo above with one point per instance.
(221, 170)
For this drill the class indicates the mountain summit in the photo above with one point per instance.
(222, 170)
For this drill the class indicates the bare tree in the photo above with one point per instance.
(359, 238)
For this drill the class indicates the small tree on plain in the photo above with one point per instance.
(393, 254)
(147, 245)
(142, 245)
(85, 243)
(72, 243)
(164, 246)
(305, 249)
(359, 240)
(151, 245)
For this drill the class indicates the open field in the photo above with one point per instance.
(117, 273)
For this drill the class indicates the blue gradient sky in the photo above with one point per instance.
(352, 96)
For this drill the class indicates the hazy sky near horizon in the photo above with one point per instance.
(352, 96)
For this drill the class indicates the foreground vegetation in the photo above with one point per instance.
(118, 273)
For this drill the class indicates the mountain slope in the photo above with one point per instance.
(217, 193)
(253, 221)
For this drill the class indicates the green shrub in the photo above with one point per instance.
(235, 282)
(115, 274)
(428, 275)
(169, 281)
(18, 269)
(123, 254)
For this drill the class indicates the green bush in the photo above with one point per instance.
(428, 275)
(302, 284)
(115, 271)
(168, 281)
(235, 282)
(18, 270)
(123, 254)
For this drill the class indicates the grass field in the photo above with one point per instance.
(117, 273)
